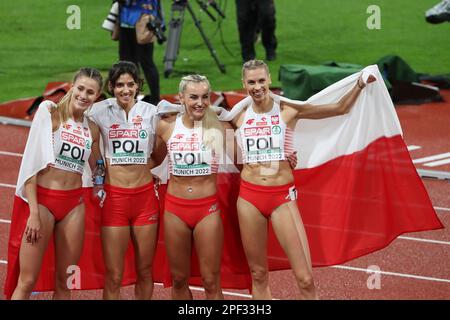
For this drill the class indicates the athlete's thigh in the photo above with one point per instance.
(115, 241)
(31, 255)
(208, 239)
(253, 228)
(69, 238)
(290, 233)
(177, 238)
(144, 239)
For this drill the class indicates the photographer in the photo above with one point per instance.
(141, 54)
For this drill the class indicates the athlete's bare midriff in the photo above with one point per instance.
(129, 175)
(195, 187)
(57, 179)
(274, 173)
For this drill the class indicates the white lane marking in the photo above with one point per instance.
(424, 240)
(412, 148)
(6, 153)
(432, 158)
(403, 275)
(401, 237)
(441, 208)
(7, 185)
(3, 262)
(437, 163)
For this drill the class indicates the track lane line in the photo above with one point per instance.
(424, 240)
(5, 185)
(12, 154)
(395, 274)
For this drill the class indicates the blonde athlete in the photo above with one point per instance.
(55, 195)
(267, 188)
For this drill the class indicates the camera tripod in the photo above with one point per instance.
(175, 26)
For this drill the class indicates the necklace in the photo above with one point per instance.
(189, 189)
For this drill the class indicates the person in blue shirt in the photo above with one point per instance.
(141, 54)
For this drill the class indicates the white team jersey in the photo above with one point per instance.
(187, 154)
(264, 136)
(72, 146)
(126, 141)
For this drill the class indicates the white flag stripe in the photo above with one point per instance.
(437, 163)
(432, 158)
(412, 148)
(372, 117)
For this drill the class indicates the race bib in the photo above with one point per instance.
(263, 143)
(74, 150)
(190, 159)
(128, 146)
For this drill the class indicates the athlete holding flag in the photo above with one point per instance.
(131, 209)
(49, 194)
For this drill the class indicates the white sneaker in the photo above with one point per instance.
(439, 13)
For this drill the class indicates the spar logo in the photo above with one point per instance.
(184, 146)
(66, 136)
(123, 134)
(257, 131)
(143, 134)
(276, 129)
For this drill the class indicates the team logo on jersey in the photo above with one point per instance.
(213, 208)
(263, 122)
(276, 129)
(86, 131)
(67, 126)
(178, 136)
(138, 126)
(137, 119)
(115, 126)
(275, 120)
(143, 134)
(77, 130)
(250, 121)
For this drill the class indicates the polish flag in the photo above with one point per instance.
(358, 191)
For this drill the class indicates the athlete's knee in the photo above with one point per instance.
(113, 280)
(27, 283)
(61, 283)
(144, 272)
(179, 281)
(211, 282)
(260, 275)
(305, 281)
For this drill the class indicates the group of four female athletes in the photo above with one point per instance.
(194, 142)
